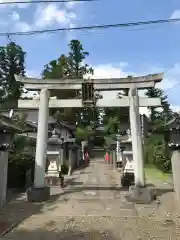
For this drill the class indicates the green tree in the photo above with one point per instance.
(116, 114)
(76, 57)
(12, 59)
(57, 68)
(159, 115)
(112, 126)
(71, 66)
(156, 146)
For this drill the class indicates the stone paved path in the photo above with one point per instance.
(93, 207)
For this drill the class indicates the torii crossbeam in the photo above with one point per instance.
(45, 102)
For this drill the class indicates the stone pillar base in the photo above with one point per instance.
(38, 194)
(141, 195)
(53, 181)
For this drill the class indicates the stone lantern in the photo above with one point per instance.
(7, 130)
(129, 134)
(5, 146)
(5, 140)
(119, 150)
(54, 159)
(174, 137)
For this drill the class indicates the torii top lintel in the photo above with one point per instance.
(140, 82)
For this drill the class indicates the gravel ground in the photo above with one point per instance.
(93, 207)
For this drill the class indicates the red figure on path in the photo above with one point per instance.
(107, 157)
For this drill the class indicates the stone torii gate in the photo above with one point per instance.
(40, 192)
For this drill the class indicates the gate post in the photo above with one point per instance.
(136, 138)
(40, 192)
(138, 193)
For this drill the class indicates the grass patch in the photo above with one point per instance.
(152, 172)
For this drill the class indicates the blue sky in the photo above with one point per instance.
(114, 52)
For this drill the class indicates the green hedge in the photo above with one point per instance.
(157, 153)
(18, 165)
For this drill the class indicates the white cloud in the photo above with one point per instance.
(15, 16)
(22, 26)
(175, 14)
(70, 5)
(17, 23)
(33, 74)
(109, 71)
(51, 14)
(175, 108)
(45, 16)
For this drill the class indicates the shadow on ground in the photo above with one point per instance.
(53, 234)
(17, 208)
(161, 191)
(92, 188)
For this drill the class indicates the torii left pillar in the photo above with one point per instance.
(40, 192)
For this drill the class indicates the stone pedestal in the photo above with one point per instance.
(38, 194)
(175, 161)
(141, 195)
(52, 175)
(54, 155)
(114, 159)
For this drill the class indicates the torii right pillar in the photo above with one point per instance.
(138, 193)
(139, 178)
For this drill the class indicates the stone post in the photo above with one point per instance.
(3, 176)
(61, 159)
(114, 159)
(118, 151)
(82, 149)
(70, 162)
(5, 145)
(136, 138)
(71, 143)
(40, 192)
(175, 161)
(78, 157)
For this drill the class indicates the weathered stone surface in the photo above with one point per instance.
(53, 181)
(106, 215)
(38, 194)
(141, 195)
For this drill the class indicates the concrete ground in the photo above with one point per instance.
(93, 206)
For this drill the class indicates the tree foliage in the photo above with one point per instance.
(156, 147)
(159, 115)
(71, 66)
(12, 59)
(112, 126)
(116, 114)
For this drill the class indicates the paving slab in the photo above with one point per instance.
(93, 206)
